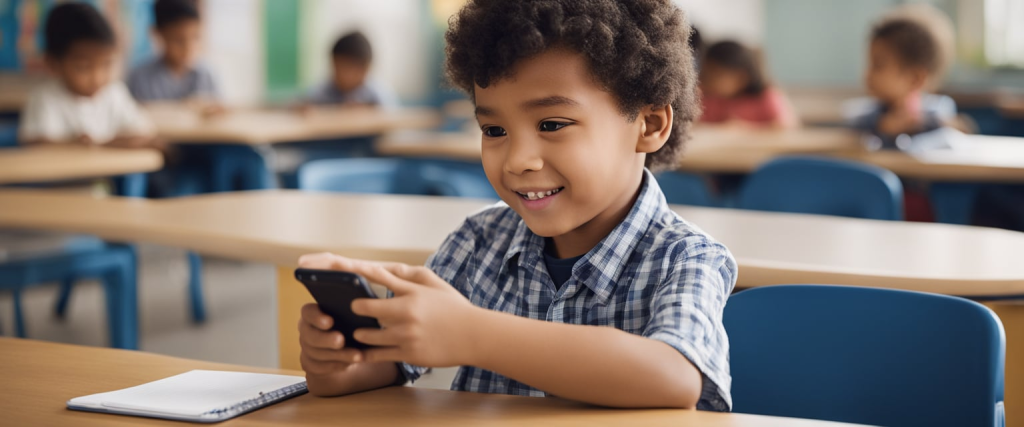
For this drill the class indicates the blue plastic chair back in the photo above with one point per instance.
(683, 188)
(863, 355)
(826, 187)
(8, 134)
(455, 178)
(396, 176)
(376, 176)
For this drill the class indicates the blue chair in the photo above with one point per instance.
(395, 176)
(683, 188)
(84, 257)
(826, 187)
(865, 355)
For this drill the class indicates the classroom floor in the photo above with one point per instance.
(241, 326)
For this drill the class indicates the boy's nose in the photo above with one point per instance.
(523, 155)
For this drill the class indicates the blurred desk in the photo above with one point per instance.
(978, 158)
(264, 126)
(57, 163)
(40, 377)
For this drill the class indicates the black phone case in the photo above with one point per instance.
(334, 292)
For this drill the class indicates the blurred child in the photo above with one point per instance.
(736, 90)
(909, 51)
(83, 103)
(351, 58)
(177, 75)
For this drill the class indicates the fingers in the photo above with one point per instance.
(310, 336)
(380, 337)
(377, 273)
(415, 274)
(316, 367)
(325, 261)
(383, 354)
(346, 356)
(384, 310)
(312, 315)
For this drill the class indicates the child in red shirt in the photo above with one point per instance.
(735, 89)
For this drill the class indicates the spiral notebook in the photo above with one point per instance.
(197, 396)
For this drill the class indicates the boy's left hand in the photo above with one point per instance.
(427, 322)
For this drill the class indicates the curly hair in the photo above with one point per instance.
(638, 50)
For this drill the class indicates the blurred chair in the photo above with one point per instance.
(396, 176)
(865, 355)
(683, 188)
(824, 186)
(82, 258)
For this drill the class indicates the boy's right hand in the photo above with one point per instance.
(323, 350)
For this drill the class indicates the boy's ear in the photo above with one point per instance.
(655, 127)
(919, 79)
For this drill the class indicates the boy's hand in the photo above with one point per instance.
(323, 350)
(427, 323)
(85, 140)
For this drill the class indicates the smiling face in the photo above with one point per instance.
(559, 151)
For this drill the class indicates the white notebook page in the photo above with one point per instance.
(190, 394)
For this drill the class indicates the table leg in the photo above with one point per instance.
(1011, 313)
(291, 296)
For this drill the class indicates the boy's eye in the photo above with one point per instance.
(549, 126)
(494, 131)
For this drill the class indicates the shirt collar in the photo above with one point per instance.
(600, 268)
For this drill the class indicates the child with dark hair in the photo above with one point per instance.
(83, 104)
(908, 54)
(177, 74)
(351, 57)
(582, 283)
(735, 89)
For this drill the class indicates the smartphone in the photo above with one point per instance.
(334, 292)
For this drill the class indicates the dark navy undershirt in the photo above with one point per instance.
(560, 270)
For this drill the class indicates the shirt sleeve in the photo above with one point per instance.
(686, 314)
(40, 119)
(451, 262)
(779, 108)
(130, 118)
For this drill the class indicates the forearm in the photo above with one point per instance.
(354, 379)
(598, 365)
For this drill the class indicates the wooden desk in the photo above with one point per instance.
(262, 126)
(57, 163)
(40, 377)
(770, 248)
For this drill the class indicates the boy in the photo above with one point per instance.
(83, 104)
(582, 284)
(351, 58)
(176, 75)
(907, 56)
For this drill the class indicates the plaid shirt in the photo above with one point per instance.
(655, 275)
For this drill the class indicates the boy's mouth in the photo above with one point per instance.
(538, 195)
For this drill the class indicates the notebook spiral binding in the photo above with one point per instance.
(255, 403)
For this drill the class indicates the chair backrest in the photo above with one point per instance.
(455, 178)
(824, 186)
(8, 134)
(396, 176)
(355, 175)
(864, 355)
(683, 188)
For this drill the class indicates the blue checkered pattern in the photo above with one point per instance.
(654, 275)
